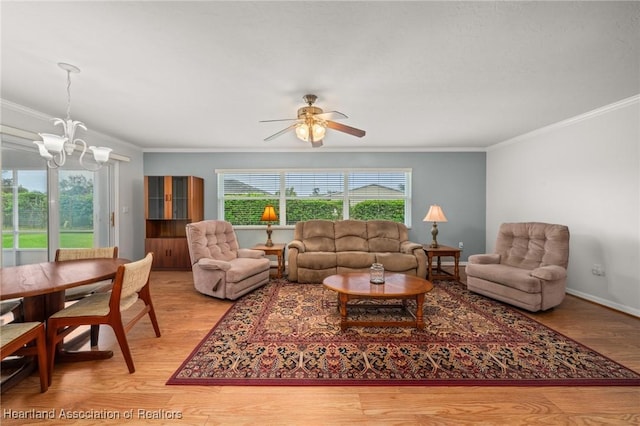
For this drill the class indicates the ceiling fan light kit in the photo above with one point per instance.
(312, 123)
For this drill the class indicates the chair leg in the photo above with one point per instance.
(95, 334)
(52, 331)
(122, 341)
(45, 378)
(145, 295)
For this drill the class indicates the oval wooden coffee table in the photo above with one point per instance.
(356, 285)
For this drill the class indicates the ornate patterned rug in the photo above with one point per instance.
(289, 334)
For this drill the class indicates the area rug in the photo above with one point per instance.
(289, 334)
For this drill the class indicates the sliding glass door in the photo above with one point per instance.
(44, 209)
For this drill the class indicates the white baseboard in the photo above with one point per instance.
(618, 307)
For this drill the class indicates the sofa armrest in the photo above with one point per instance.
(409, 247)
(206, 263)
(297, 244)
(549, 273)
(484, 259)
(250, 253)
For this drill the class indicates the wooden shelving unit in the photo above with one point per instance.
(170, 203)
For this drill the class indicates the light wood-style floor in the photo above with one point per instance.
(185, 316)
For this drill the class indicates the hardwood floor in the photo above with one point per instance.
(105, 387)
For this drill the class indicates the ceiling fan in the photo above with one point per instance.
(312, 123)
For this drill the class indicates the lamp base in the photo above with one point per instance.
(434, 234)
(269, 243)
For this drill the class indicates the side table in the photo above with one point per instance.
(438, 272)
(277, 249)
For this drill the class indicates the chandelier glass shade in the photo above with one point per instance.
(56, 148)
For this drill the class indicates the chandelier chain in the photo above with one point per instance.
(68, 95)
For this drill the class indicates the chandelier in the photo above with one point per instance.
(56, 148)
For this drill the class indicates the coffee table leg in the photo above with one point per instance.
(343, 310)
(419, 306)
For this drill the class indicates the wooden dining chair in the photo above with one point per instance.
(15, 337)
(131, 283)
(80, 292)
(13, 306)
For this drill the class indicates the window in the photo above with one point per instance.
(24, 209)
(299, 195)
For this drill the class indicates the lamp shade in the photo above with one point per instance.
(435, 214)
(269, 214)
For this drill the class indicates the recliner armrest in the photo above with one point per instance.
(549, 273)
(250, 253)
(409, 246)
(206, 263)
(484, 259)
(297, 244)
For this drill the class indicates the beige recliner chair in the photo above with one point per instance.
(528, 268)
(220, 268)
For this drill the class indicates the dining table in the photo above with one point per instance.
(41, 286)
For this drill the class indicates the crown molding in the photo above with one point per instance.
(45, 117)
(27, 135)
(306, 149)
(568, 122)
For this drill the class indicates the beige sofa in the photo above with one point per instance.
(321, 248)
(528, 268)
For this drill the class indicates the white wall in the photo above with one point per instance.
(584, 173)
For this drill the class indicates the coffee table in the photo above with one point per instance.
(356, 285)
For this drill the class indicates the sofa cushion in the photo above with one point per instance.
(384, 236)
(355, 259)
(397, 262)
(317, 260)
(244, 267)
(506, 275)
(351, 235)
(317, 235)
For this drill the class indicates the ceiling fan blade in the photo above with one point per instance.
(316, 144)
(331, 115)
(346, 129)
(281, 119)
(281, 132)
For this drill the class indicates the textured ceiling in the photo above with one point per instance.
(414, 75)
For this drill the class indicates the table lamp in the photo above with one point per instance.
(435, 214)
(269, 215)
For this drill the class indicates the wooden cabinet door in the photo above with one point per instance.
(168, 253)
(174, 197)
(155, 195)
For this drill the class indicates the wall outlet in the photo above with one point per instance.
(597, 269)
(461, 245)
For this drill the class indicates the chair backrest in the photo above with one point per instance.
(529, 245)
(212, 239)
(63, 254)
(130, 279)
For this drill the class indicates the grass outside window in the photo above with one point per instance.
(38, 240)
